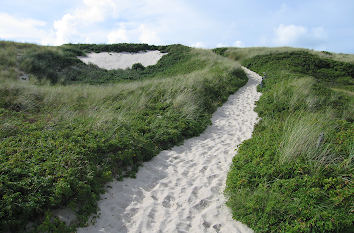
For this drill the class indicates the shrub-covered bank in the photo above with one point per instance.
(61, 65)
(295, 173)
(59, 143)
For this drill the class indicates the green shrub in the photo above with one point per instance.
(294, 174)
(220, 51)
(138, 66)
(306, 63)
(46, 64)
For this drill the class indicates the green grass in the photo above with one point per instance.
(241, 54)
(287, 177)
(61, 141)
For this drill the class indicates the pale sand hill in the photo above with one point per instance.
(181, 190)
(112, 60)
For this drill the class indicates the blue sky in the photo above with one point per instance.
(316, 24)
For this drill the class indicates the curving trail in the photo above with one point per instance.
(181, 190)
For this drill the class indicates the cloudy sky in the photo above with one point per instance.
(317, 24)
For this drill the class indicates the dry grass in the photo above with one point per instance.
(306, 135)
(114, 102)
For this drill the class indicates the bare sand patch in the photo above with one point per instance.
(123, 60)
(181, 190)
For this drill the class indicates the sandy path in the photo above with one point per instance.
(181, 190)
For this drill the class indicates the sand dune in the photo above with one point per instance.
(112, 60)
(181, 190)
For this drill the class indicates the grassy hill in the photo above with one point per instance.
(72, 127)
(295, 173)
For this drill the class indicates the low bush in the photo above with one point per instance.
(138, 66)
(47, 64)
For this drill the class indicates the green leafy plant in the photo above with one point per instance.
(138, 66)
(295, 173)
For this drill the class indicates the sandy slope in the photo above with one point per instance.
(181, 190)
(122, 60)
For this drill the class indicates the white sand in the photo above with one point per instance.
(181, 190)
(112, 60)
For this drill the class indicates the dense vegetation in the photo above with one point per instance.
(241, 54)
(59, 143)
(295, 173)
(80, 49)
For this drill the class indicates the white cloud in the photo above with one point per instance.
(294, 35)
(220, 45)
(119, 35)
(77, 24)
(115, 21)
(199, 44)
(148, 35)
(22, 29)
(133, 33)
(147, 21)
(288, 34)
(143, 21)
(238, 43)
(96, 11)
